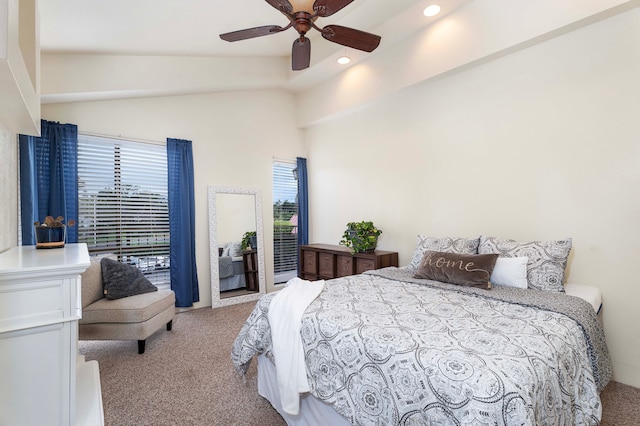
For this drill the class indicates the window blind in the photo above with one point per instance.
(123, 203)
(285, 221)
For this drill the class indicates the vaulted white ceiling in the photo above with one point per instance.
(191, 29)
(94, 50)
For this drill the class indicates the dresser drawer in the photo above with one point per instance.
(309, 262)
(364, 265)
(344, 266)
(30, 304)
(326, 265)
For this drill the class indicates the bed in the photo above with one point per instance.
(385, 348)
(231, 267)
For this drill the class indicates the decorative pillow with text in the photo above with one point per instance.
(463, 269)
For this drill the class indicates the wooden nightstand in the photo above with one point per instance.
(326, 261)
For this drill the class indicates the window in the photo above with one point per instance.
(123, 203)
(285, 221)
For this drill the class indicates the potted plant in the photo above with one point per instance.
(51, 233)
(361, 236)
(249, 240)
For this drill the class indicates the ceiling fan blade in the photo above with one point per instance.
(329, 7)
(351, 38)
(282, 5)
(301, 54)
(251, 33)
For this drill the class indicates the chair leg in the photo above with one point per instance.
(141, 343)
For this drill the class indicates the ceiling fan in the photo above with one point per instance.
(302, 15)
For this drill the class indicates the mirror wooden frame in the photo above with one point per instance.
(216, 301)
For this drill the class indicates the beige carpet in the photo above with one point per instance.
(185, 377)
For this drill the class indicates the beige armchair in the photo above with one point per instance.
(129, 318)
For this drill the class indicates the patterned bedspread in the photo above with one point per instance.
(225, 266)
(384, 349)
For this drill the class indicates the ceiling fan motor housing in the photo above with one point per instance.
(303, 22)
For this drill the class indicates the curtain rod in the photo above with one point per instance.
(123, 138)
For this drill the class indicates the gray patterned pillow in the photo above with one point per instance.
(444, 244)
(235, 249)
(123, 280)
(547, 259)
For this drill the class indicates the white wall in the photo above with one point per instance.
(236, 214)
(235, 137)
(8, 189)
(476, 33)
(540, 144)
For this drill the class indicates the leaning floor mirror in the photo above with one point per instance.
(235, 245)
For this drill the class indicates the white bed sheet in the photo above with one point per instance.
(591, 294)
(315, 411)
(234, 282)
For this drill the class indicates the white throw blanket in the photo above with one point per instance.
(285, 316)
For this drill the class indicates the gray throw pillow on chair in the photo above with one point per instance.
(123, 280)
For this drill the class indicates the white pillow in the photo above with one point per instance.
(510, 271)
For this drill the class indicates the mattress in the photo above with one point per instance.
(591, 294)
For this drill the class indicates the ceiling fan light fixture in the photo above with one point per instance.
(432, 10)
(344, 60)
(302, 5)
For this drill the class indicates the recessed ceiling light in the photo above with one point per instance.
(344, 60)
(432, 10)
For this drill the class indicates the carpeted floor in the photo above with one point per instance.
(185, 377)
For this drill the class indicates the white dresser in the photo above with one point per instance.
(40, 370)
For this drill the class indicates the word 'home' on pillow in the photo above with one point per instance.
(123, 280)
(472, 270)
